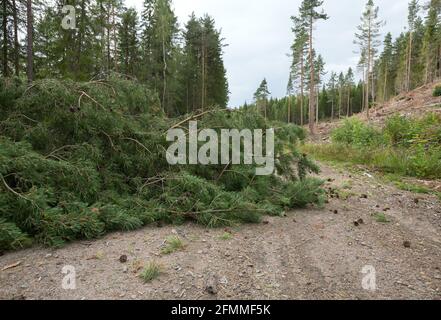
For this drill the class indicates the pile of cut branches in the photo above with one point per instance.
(78, 160)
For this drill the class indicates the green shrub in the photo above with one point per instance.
(355, 132)
(437, 91)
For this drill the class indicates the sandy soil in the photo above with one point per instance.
(309, 254)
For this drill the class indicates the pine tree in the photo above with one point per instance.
(331, 88)
(309, 16)
(366, 38)
(349, 81)
(289, 93)
(261, 97)
(299, 51)
(412, 20)
(341, 87)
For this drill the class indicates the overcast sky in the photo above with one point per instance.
(258, 34)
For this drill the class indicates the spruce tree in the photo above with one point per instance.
(385, 81)
(432, 41)
(128, 42)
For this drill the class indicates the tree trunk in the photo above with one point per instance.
(289, 108)
(385, 97)
(317, 107)
(363, 87)
(332, 109)
(80, 39)
(340, 101)
(115, 40)
(30, 42)
(409, 62)
(16, 43)
(302, 86)
(5, 39)
(164, 71)
(312, 82)
(368, 71)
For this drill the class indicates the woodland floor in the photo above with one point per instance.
(309, 254)
(315, 253)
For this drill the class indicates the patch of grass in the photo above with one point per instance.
(437, 91)
(345, 195)
(99, 255)
(347, 185)
(380, 217)
(226, 236)
(173, 244)
(150, 272)
(412, 187)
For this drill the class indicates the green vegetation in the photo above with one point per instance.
(437, 91)
(78, 160)
(172, 244)
(380, 217)
(150, 272)
(226, 236)
(405, 146)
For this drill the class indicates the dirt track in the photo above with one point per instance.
(310, 254)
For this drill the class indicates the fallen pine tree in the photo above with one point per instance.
(78, 160)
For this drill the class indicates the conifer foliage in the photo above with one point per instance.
(78, 159)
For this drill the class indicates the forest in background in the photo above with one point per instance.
(387, 67)
(184, 66)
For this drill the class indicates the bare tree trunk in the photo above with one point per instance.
(340, 101)
(409, 62)
(368, 72)
(363, 87)
(302, 86)
(16, 43)
(164, 71)
(108, 39)
(317, 107)
(30, 41)
(5, 39)
(115, 40)
(312, 82)
(332, 109)
(386, 71)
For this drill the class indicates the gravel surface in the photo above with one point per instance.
(315, 253)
